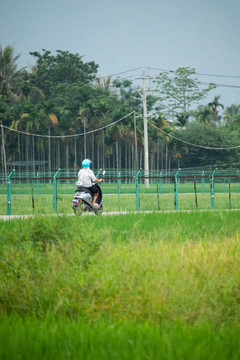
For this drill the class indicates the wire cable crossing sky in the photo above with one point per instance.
(67, 136)
(114, 123)
(196, 145)
(203, 35)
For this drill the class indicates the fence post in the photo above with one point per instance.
(137, 190)
(212, 189)
(158, 200)
(229, 193)
(9, 192)
(203, 182)
(55, 190)
(176, 190)
(119, 190)
(33, 202)
(195, 190)
(37, 184)
(160, 183)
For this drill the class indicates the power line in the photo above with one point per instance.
(67, 136)
(188, 143)
(167, 70)
(202, 74)
(150, 77)
(202, 83)
(222, 85)
(120, 73)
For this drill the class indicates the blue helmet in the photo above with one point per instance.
(86, 163)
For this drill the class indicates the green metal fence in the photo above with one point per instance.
(125, 190)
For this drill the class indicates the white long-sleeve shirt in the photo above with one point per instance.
(86, 177)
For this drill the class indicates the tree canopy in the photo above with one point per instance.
(179, 90)
(61, 96)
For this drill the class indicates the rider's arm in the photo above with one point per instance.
(93, 177)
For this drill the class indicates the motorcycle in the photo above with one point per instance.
(83, 201)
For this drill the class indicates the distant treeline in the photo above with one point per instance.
(79, 114)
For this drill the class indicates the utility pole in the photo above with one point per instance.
(135, 140)
(146, 156)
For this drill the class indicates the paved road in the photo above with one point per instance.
(12, 217)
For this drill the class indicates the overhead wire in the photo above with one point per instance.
(206, 83)
(115, 122)
(221, 85)
(167, 70)
(191, 144)
(120, 73)
(67, 136)
(181, 140)
(202, 74)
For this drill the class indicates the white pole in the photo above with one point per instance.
(146, 156)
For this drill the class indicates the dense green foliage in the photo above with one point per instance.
(217, 137)
(61, 95)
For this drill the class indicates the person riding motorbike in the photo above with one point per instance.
(86, 178)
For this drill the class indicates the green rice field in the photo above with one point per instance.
(134, 286)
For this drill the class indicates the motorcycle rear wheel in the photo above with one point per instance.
(77, 210)
(99, 211)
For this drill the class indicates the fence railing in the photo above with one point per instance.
(46, 193)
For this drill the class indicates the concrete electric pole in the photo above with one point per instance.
(146, 156)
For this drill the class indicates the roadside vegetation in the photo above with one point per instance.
(127, 287)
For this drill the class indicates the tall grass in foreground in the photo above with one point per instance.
(143, 286)
(146, 267)
(64, 338)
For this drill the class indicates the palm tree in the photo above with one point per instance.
(164, 129)
(214, 105)
(104, 83)
(182, 119)
(203, 113)
(16, 124)
(179, 150)
(8, 70)
(52, 121)
(83, 116)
